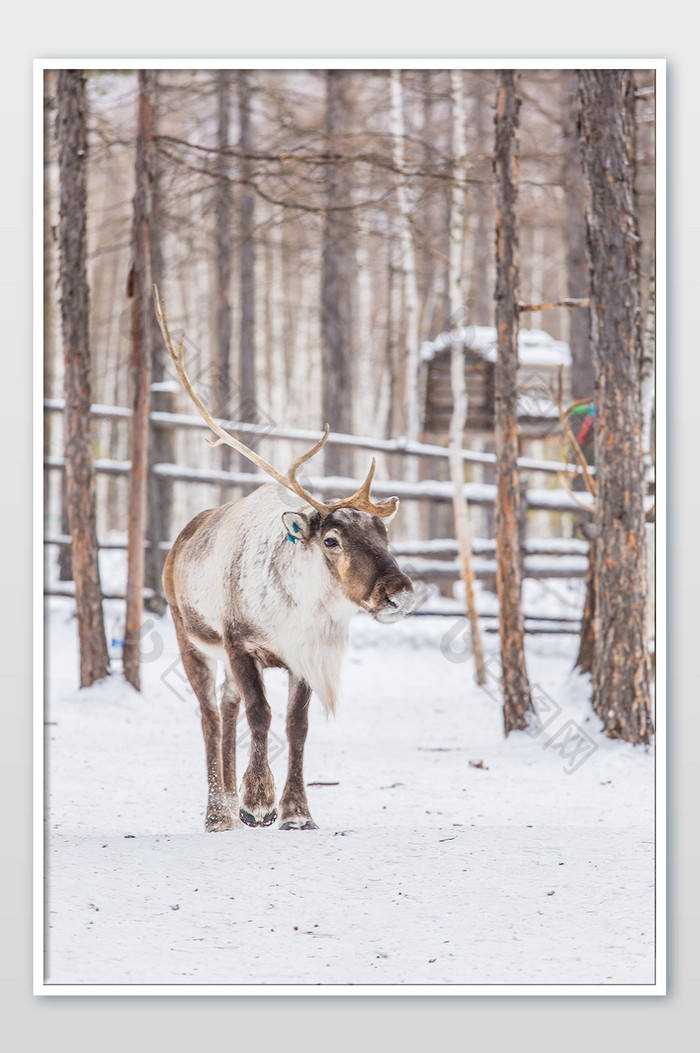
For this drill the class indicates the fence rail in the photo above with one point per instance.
(402, 445)
(424, 563)
(555, 500)
(434, 561)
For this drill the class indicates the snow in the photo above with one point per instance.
(446, 854)
(535, 346)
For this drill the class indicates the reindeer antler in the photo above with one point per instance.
(179, 363)
(360, 500)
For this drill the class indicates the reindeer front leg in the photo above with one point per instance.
(294, 808)
(258, 785)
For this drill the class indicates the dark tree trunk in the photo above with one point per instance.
(160, 440)
(482, 312)
(517, 703)
(621, 668)
(80, 486)
(577, 276)
(65, 556)
(223, 209)
(49, 277)
(336, 284)
(246, 403)
(433, 283)
(142, 307)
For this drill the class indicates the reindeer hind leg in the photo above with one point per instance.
(230, 705)
(201, 673)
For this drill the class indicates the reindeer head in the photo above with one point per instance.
(354, 545)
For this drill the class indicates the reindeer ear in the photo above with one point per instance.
(388, 519)
(297, 526)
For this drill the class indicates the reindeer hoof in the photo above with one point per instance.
(299, 824)
(215, 823)
(250, 820)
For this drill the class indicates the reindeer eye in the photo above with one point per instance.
(330, 542)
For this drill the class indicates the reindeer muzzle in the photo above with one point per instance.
(396, 604)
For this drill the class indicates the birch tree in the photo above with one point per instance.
(621, 695)
(80, 483)
(459, 388)
(517, 702)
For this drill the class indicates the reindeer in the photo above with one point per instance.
(272, 580)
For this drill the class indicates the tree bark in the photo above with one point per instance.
(160, 440)
(647, 375)
(337, 322)
(517, 702)
(245, 408)
(482, 299)
(80, 484)
(49, 272)
(459, 388)
(65, 558)
(621, 695)
(412, 407)
(577, 277)
(223, 210)
(142, 306)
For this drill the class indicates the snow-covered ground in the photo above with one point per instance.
(445, 855)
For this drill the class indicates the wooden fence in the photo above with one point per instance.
(432, 560)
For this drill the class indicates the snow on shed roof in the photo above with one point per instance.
(535, 347)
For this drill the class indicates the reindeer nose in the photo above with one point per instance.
(392, 597)
(390, 585)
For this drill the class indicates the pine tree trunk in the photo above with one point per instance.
(517, 703)
(245, 404)
(65, 555)
(223, 207)
(621, 694)
(482, 299)
(161, 449)
(49, 276)
(577, 277)
(411, 514)
(337, 323)
(142, 306)
(80, 485)
(647, 374)
(459, 388)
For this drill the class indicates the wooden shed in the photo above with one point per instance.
(541, 357)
